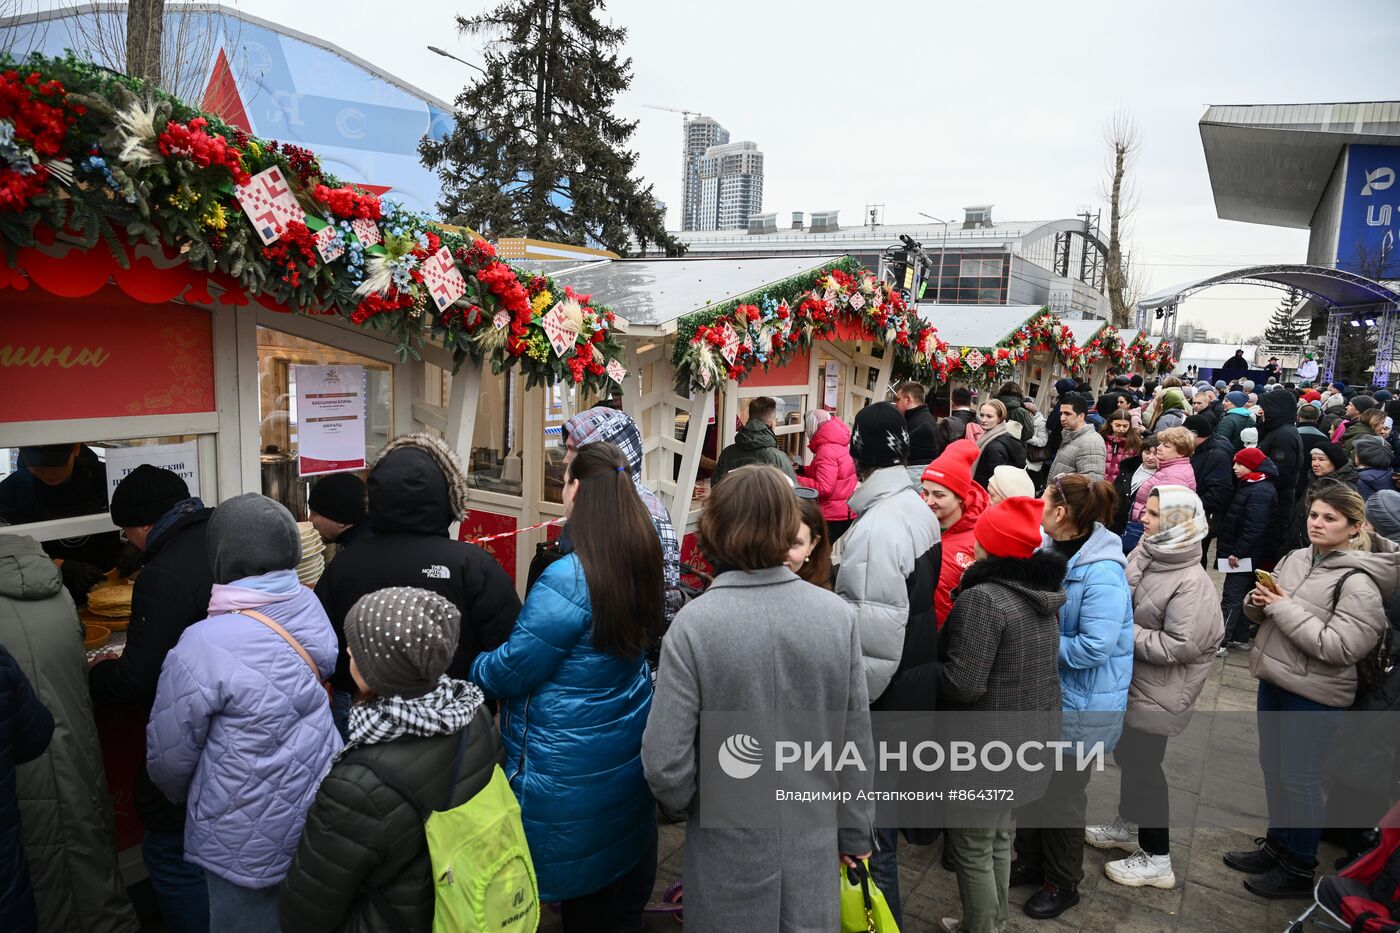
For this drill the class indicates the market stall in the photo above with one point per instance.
(178, 293)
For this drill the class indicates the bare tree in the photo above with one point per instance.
(1123, 137)
(145, 29)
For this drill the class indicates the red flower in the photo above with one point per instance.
(348, 203)
(190, 141)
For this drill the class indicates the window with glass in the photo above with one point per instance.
(980, 268)
(497, 456)
(281, 424)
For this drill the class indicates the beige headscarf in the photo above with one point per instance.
(1184, 523)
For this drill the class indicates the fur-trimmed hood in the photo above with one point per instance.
(1037, 580)
(418, 485)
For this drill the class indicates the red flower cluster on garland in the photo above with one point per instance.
(502, 282)
(41, 116)
(294, 251)
(190, 141)
(374, 304)
(348, 203)
(304, 163)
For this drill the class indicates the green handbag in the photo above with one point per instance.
(863, 907)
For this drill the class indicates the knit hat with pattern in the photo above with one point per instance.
(879, 437)
(402, 639)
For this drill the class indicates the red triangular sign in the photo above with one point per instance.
(221, 96)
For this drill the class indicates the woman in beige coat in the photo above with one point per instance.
(1176, 626)
(1323, 615)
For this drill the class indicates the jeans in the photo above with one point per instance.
(179, 885)
(1237, 587)
(982, 856)
(1292, 752)
(617, 906)
(1132, 534)
(884, 870)
(236, 909)
(1142, 788)
(340, 712)
(1057, 849)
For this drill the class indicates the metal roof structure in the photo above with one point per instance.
(1332, 288)
(655, 293)
(975, 325)
(1010, 234)
(1269, 164)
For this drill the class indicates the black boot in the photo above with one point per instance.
(1255, 861)
(947, 860)
(1049, 902)
(1289, 878)
(1024, 873)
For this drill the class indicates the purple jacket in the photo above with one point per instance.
(243, 731)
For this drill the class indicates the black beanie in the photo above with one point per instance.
(1199, 425)
(879, 437)
(340, 497)
(144, 496)
(1333, 452)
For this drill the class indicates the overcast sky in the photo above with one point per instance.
(932, 106)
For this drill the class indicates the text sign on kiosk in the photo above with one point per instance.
(330, 419)
(181, 459)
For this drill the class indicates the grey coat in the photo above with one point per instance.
(66, 813)
(1081, 451)
(762, 641)
(1176, 629)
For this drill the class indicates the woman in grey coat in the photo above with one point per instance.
(1176, 625)
(759, 642)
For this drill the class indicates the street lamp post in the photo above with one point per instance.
(942, 255)
(446, 54)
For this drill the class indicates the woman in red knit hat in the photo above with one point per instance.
(1001, 654)
(956, 502)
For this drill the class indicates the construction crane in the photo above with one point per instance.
(687, 113)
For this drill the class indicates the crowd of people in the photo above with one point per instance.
(300, 746)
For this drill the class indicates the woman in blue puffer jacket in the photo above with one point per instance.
(1096, 667)
(577, 693)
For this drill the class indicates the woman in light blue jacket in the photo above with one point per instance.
(1096, 666)
(577, 693)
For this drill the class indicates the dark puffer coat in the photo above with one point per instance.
(1213, 464)
(1244, 528)
(412, 503)
(171, 594)
(361, 835)
(25, 730)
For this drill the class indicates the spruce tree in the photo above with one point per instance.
(1284, 327)
(536, 150)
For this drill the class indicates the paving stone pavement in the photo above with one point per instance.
(1212, 769)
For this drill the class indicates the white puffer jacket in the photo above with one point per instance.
(893, 530)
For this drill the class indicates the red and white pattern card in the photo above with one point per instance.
(268, 201)
(367, 230)
(443, 279)
(616, 371)
(562, 336)
(730, 348)
(500, 320)
(857, 301)
(324, 238)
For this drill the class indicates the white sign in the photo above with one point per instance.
(182, 459)
(832, 391)
(330, 419)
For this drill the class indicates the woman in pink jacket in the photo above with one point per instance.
(1175, 446)
(831, 472)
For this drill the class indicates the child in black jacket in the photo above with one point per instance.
(1244, 536)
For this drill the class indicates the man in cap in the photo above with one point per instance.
(338, 509)
(63, 481)
(156, 512)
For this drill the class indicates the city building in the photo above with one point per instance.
(698, 135)
(731, 186)
(1056, 263)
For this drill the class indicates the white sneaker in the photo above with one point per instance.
(1142, 870)
(951, 925)
(1120, 834)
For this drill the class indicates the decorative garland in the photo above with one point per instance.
(769, 327)
(87, 155)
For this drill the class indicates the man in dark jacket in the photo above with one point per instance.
(63, 481)
(338, 511)
(416, 491)
(1279, 440)
(159, 516)
(924, 442)
(1053, 429)
(1236, 365)
(25, 730)
(755, 442)
(954, 427)
(1308, 430)
(1215, 478)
